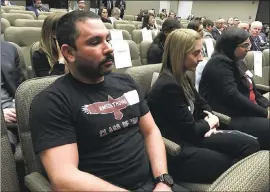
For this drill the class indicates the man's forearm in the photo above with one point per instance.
(156, 151)
(75, 180)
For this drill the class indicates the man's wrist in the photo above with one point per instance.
(161, 184)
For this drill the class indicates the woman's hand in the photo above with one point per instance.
(211, 119)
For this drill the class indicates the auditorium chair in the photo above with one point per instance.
(136, 23)
(46, 13)
(11, 17)
(24, 37)
(137, 36)
(262, 83)
(9, 179)
(250, 174)
(4, 25)
(144, 47)
(108, 25)
(2, 10)
(139, 26)
(12, 7)
(129, 27)
(129, 17)
(42, 17)
(126, 35)
(28, 23)
(134, 55)
(120, 22)
(24, 12)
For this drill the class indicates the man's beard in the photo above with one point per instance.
(90, 70)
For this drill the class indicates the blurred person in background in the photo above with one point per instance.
(103, 13)
(48, 59)
(255, 30)
(37, 7)
(121, 4)
(156, 49)
(244, 25)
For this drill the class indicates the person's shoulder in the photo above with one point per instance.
(38, 54)
(155, 46)
(120, 77)
(30, 7)
(164, 81)
(219, 60)
(7, 45)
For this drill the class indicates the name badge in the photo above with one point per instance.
(248, 73)
(189, 108)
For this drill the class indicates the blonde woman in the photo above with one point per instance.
(48, 60)
(185, 118)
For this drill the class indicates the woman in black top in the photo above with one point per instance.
(228, 86)
(103, 13)
(185, 118)
(48, 60)
(155, 51)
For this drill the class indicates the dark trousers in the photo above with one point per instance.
(150, 186)
(206, 160)
(255, 126)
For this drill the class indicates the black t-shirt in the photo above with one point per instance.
(102, 119)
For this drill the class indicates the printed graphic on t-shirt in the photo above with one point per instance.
(113, 105)
(118, 126)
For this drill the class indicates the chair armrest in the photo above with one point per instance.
(263, 87)
(18, 156)
(171, 147)
(223, 118)
(249, 174)
(36, 182)
(267, 95)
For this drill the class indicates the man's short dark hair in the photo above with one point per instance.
(207, 23)
(66, 30)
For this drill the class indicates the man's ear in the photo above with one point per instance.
(68, 53)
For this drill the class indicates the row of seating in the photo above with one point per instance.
(247, 169)
(26, 40)
(8, 8)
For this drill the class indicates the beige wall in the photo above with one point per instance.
(174, 7)
(226, 9)
(133, 7)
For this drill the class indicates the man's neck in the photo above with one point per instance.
(85, 80)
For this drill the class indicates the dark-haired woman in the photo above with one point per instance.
(156, 49)
(228, 86)
(103, 13)
(149, 22)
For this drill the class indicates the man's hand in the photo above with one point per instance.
(10, 115)
(162, 187)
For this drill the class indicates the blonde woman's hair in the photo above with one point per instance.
(178, 44)
(47, 40)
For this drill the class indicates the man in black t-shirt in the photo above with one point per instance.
(91, 128)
